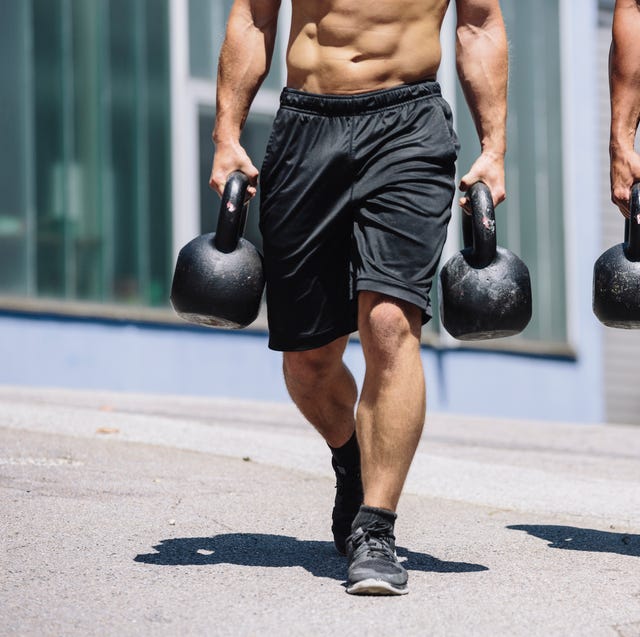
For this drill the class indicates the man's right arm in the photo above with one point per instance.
(624, 84)
(244, 62)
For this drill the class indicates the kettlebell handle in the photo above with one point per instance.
(632, 226)
(233, 212)
(479, 228)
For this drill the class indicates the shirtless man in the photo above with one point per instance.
(357, 185)
(624, 84)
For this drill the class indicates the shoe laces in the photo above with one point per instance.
(378, 539)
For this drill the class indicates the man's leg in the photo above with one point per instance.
(390, 419)
(323, 389)
(391, 411)
(325, 392)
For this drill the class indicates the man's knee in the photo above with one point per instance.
(386, 322)
(311, 366)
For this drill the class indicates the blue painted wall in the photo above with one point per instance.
(88, 354)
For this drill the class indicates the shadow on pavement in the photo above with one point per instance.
(256, 549)
(575, 539)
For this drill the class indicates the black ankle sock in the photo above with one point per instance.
(366, 515)
(347, 456)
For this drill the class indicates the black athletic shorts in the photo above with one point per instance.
(356, 195)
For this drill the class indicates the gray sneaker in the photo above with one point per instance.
(373, 564)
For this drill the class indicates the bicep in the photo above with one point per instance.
(260, 13)
(626, 24)
(478, 13)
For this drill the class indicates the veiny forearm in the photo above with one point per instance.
(244, 62)
(482, 62)
(624, 75)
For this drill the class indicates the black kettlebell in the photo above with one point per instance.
(485, 290)
(218, 280)
(616, 275)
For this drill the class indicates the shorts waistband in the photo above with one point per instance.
(357, 103)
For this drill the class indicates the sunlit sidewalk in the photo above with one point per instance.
(127, 514)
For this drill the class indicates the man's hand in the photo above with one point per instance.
(488, 168)
(245, 58)
(625, 171)
(230, 156)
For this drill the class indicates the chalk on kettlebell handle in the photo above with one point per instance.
(485, 290)
(218, 278)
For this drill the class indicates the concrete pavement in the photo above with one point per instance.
(147, 515)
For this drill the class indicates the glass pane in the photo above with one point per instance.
(102, 152)
(124, 142)
(139, 141)
(159, 152)
(530, 222)
(14, 155)
(86, 250)
(207, 23)
(52, 149)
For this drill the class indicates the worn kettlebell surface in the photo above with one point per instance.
(218, 289)
(485, 303)
(219, 278)
(616, 289)
(485, 290)
(616, 275)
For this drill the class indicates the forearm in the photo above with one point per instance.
(244, 62)
(482, 62)
(624, 75)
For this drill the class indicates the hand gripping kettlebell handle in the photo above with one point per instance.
(632, 226)
(233, 212)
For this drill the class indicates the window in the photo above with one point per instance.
(88, 211)
(207, 23)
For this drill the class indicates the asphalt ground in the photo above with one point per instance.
(158, 515)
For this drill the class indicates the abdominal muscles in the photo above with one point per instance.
(350, 46)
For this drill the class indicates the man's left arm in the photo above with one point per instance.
(483, 66)
(624, 85)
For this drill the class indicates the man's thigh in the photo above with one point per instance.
(305, 220)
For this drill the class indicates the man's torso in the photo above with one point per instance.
(353, 46)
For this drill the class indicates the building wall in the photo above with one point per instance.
(534, 380)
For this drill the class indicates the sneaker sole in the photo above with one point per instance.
(373, 586)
